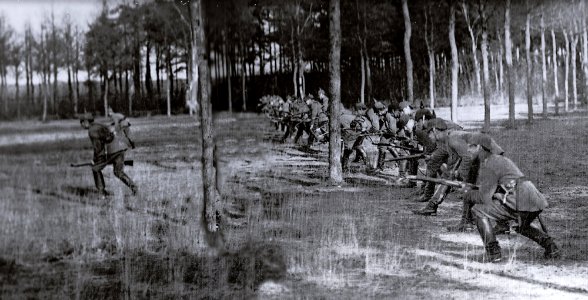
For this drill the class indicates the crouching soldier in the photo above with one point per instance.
(109, 148)
(505, 194)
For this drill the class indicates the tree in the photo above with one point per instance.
(429, 41)
(212, 212)
(509, 67)
(454, 62)
(474, 39)
(529, 64)
(407, 57)
(543, 68)
(335, 169)
(486, 75)
(15, 61)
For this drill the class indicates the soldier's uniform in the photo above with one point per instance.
(505, 194)
(109, 148)
(352, 126)
(451, 149)
(319, 120)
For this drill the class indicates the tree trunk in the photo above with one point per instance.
(486, 72)
(529, 65)
(212, 212)
(17, 93)
(244, 78)
(168, 81)
(509, 67)
(454, 63)
(566, 71)
(543, 68)
(407, 57)
(585, 54)
(148, 80)
(431, 53)
(574, 75)
(106, 94)
(500, 66)
(335, 169)
(294, 64)
(362, 88)
(474, 48)
(555, 83)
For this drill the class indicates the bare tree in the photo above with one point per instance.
(543, 68)
(529, 63)
(212, 211)
(335, 169)
(474, 40)
(429, 41)
(509, 67)
(486, 72)
(407, 57)
(454, 62)
(554, 54)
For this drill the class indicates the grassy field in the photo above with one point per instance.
(290, 234)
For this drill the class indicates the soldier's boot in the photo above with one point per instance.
(345, 159)
(501, 227)
(99, 183)
(493, 253)
(429, 210)
(381, 159)
(429, 191)
(466, 223)
(357, 156)
(127, 181)
(544, 240)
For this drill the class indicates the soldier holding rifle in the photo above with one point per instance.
(451, 149)
(110, 145)
(505, 194)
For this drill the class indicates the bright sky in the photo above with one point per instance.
(19, 12)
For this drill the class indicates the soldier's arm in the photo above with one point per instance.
(461, 149)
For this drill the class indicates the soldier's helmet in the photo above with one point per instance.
(379, 106)
(86, 117)
(436, 124)
(360, 106)
(483, 140)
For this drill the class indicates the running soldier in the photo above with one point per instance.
(109, 146)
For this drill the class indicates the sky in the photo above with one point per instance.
(19, 12)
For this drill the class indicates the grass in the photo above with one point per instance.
(285, 225)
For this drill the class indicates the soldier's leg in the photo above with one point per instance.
(118, 167)
(345, 159)
(299, 132)
(99, 164)
(484, 214)
(357, 146)
(467, 220)
(538, 236)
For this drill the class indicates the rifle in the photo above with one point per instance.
(405, 157)
(90, 164)
(398, 146)
(447, 182)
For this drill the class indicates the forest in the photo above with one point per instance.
(136, 57)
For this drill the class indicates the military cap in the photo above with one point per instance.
(404, 104)
(379, 105)
(360, 106)
(425, 113)
(86, 116)
(436, 124)
(483, 140)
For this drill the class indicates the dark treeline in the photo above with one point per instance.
(390, 50)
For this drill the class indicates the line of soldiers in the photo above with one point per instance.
(504, 195)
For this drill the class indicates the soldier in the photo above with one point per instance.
(352, 125)
(318, 118)
(109, 146)
(504, 195)
(451, 149)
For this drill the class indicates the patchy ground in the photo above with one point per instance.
(291, 235)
